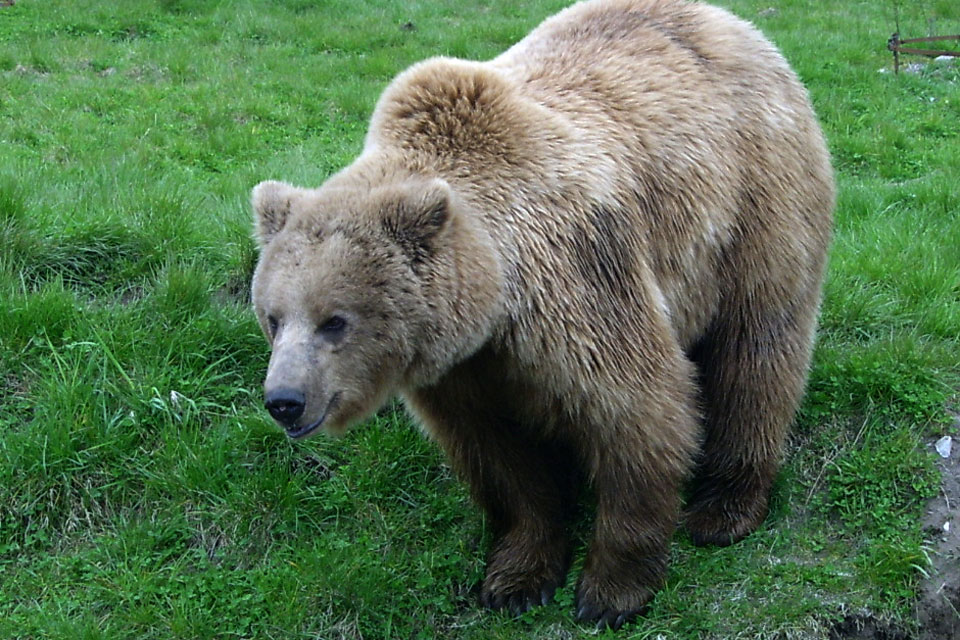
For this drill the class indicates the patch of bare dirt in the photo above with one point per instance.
(938, 607)
(938, 604)
(862, 627)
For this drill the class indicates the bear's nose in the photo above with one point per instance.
(285, 405)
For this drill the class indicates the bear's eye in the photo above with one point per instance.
(272, 325)
(333, 324)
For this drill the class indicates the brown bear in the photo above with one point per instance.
(594, 260)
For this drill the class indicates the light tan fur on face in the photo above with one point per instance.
(596, 258)
(326, 257)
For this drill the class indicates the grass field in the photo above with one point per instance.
(144, 493)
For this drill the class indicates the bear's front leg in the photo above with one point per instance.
(527, 561)
(627, 559)
(638, 465)
(526, 487)
(526, 491)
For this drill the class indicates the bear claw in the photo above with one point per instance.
(607, 618)
(518, 602)
(593, 607)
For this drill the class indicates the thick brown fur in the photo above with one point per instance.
(594, 259)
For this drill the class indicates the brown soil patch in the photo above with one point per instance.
(938, 607)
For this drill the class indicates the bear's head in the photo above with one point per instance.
(359, 293)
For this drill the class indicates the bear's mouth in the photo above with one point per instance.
(295, 433)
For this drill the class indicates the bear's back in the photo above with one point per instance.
(637, 140)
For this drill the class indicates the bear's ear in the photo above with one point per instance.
(415, 216)
(272, 202)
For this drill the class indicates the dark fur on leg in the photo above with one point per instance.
(723, 511)
(637, 510)
(752, 371)
(525, 484)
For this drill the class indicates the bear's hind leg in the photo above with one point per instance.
(753, 367)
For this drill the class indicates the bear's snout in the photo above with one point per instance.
(285, 405)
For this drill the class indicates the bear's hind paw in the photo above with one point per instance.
(713, 523)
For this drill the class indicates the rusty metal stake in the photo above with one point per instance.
(894, 45)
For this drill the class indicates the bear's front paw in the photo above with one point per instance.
(610, 606)
(517, 599)
(520, 578)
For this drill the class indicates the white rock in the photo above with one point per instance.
(944, 445)
(946, 527)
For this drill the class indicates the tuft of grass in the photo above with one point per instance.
(144, 493)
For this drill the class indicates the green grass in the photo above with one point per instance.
(145, 494)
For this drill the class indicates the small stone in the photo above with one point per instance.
(766, 13)
(946, 527)
(944, 446)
